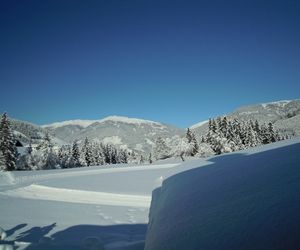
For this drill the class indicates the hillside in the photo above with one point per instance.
(284, 114)
(244, 200)
(132, 133)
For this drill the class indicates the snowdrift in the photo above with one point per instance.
(243, 200)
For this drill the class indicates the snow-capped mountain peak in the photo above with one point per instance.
(128, 120)
(86, 123)
(278, 103)
(77, 122)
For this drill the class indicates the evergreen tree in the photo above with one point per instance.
(271, 133)
(150, 158)
(75, 158)
(123, 156)
(189, 135)
(87, 152)
(8, 150)
(161, 150)
(142, 159)
(48, 158)
(192, 141)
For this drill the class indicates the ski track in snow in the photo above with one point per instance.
(40, 192)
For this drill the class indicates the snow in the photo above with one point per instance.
(279, 103)
(115, 140)
(243, 200)
(41, 192)
(199, 124)
(70, 208)
(128, 120)
(86, 123)
(3, 234)
(77, 122)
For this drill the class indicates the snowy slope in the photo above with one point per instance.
(60, 209)
(284, 114)
(25, 131)
(243, 200)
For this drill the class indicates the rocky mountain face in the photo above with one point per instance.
(127, 133)
(285, 115)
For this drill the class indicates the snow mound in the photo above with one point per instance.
(244, 200)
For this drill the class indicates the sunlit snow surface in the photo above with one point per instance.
(243, 200)
(224, 202)
(62, 209)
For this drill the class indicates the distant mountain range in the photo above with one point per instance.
(140, 135)
(132, 133)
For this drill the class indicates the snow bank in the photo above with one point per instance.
(243, 200)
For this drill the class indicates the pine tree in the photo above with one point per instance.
(161, 150)
(192, 141)
(48, 159)
(142, 159)
(123, 156)
(271, 133)
(189, 135)
(8, 150)
(75, 158)
(150, 158)
(87, 153)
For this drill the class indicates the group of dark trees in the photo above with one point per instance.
(70, 156)
(223, 136)
(231, 135)
(8, 150)
(46, 155)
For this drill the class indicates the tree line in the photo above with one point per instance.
(224, 135)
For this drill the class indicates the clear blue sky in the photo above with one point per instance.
(177, 62)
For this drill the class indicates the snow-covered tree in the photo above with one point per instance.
(123, 156)
(87, 152)
(46, 157)
(75, 156)
(161, 150)
(192, 141)
(8, 150)
(230, 135)
(150, 158)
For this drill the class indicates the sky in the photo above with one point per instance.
(177, 62)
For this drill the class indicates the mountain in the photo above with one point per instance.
(26, 131)
(132, 133)
(284, 114)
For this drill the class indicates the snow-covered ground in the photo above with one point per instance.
(243, 200)
(233, 201)
(64, 209)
